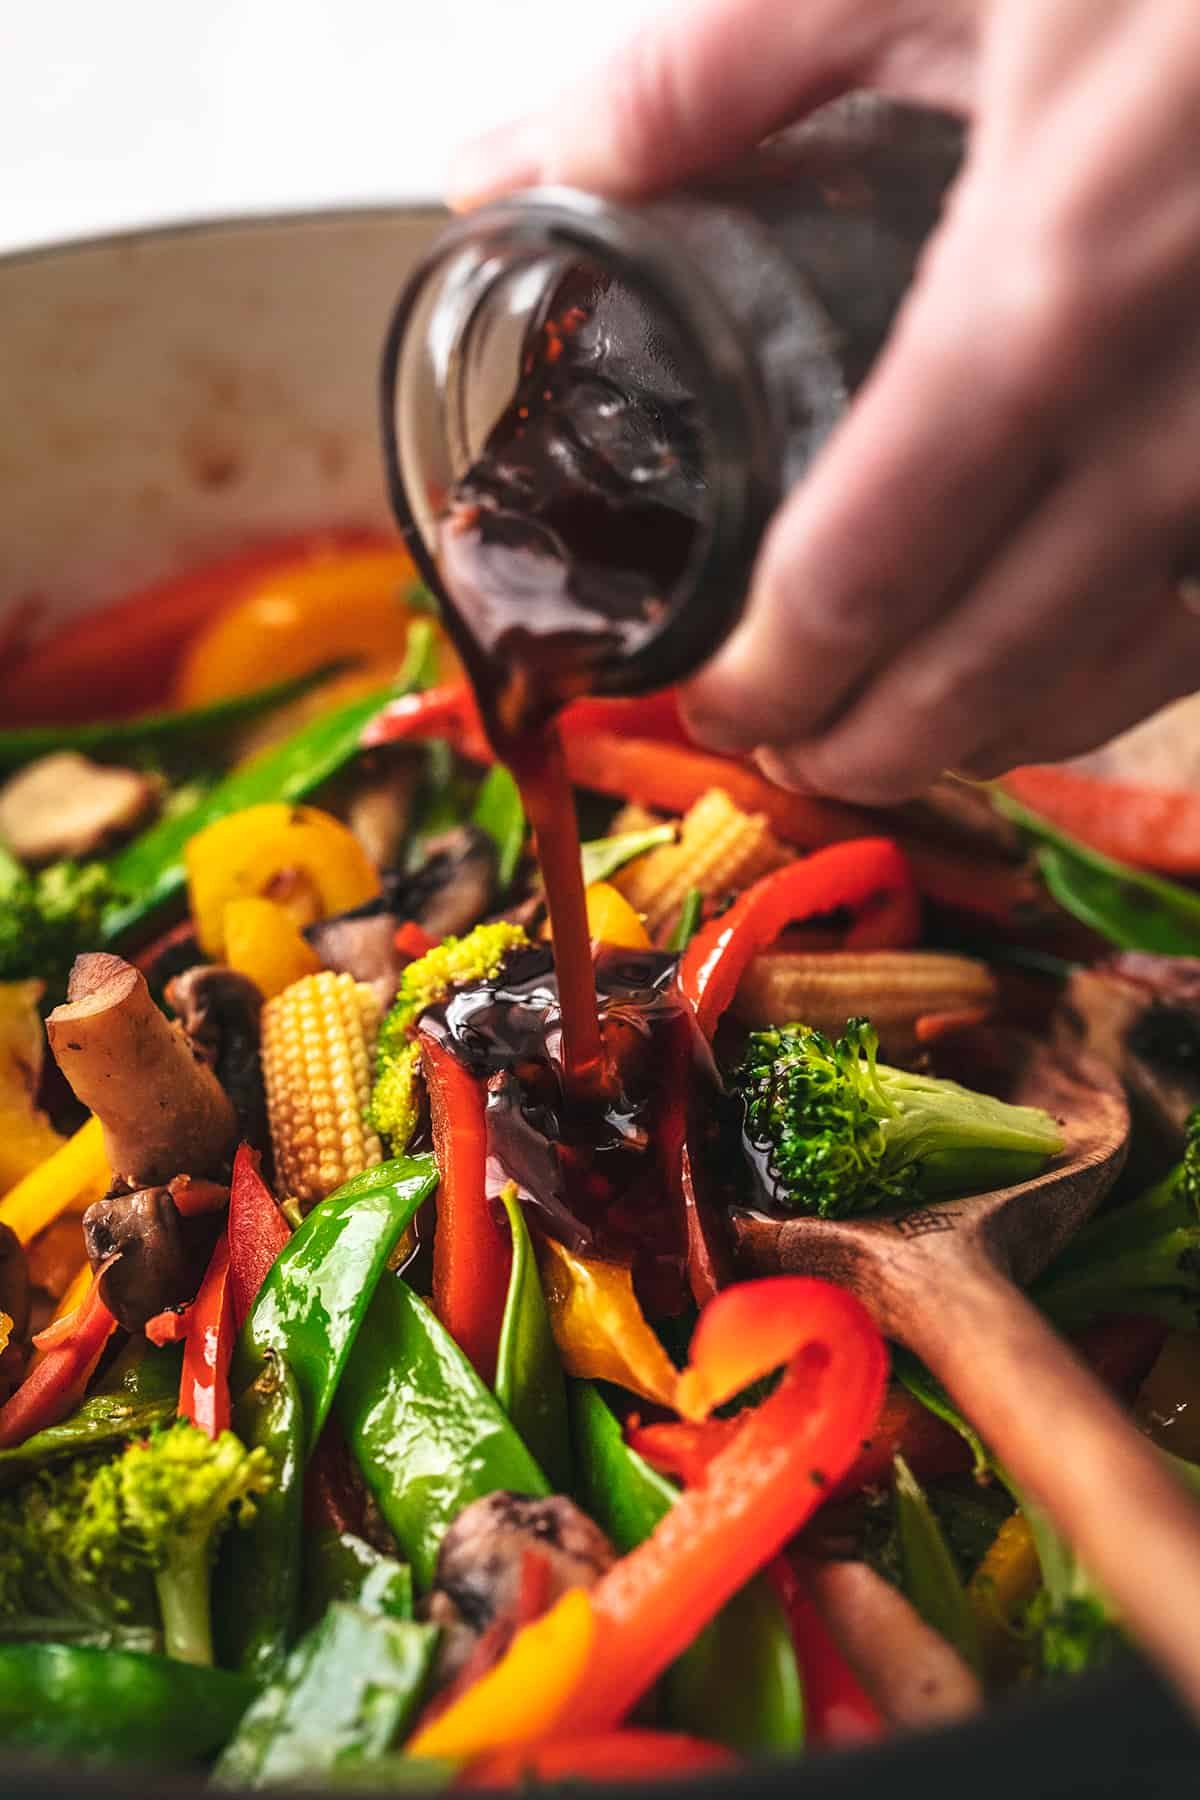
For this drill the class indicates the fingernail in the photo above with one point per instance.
(508, 157)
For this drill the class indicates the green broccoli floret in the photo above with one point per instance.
(1142, 1256)
(455, 962)
(46, 1570)
(832, 1130)
(48, 916)
(162, 1505)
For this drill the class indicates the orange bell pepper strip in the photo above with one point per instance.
(142, 634)
(348, 605)
(633, 1754)
(56, 1383)
(1151, 827)
(471, 1255)
(257, 1230)
(853, 876)
(757, 1491)
(208, 1348)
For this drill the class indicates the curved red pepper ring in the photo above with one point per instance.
(757, 1490)
(868, 876)
(208, 1347)
(56, 1383)
(629, 1755)
(471, 1255)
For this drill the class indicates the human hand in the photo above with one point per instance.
(982, 567)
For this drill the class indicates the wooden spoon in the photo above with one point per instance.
(941, 1279)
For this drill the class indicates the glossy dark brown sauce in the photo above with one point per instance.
(590, 1167)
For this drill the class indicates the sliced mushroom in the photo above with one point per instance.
(379, 810)
(220, 1011)
(363, 946)
(161, 1106)
(449, 893)
(914, 1676)
(160, 1255)
(479, 1566)
(65, 805)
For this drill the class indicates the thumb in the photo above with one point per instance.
(693, 88)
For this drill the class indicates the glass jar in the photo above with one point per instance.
(591, 409)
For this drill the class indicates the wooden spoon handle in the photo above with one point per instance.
(1062, 1437)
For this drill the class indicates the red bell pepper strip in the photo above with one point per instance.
(257, 1232)
(412, 942)
(471, 1255)
(208, 1347)
(850, 875)
(142, 635)
(837, 1708)
(682, 1448)
(194, 1196)
(170, 1326)
(757, 1491)
(56, 1383)
(448, 711)
(633, 1754)
(1151, 827)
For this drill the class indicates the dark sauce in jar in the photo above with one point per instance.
(593, 1169)
(558, 551)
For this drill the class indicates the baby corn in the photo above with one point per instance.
(892, 988)
(318, 1052)
(720, 849)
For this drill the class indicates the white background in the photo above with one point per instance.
(117, 113)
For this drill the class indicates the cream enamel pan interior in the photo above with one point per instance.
(170, 396)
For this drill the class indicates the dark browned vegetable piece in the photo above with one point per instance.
(363, 945)
(161, 1256)
(479, 1566)
(162, 1109)
(220, 1011)
(14, 1282)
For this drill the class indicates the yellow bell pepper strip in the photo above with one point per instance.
(756, 1493)
(600, 1329)
(522, 1698)
(999, 1591)
(305, 859)
(264, 942)
(349, 605)
(611, 919)
(27, 1137)
(76, 1174)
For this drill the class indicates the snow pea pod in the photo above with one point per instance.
(114, 1705)
(316, 1293)
(346, 1694)
(159, 733)
(258, 1585)
(426, 1433)
(341, 1566)
(529, 1378)
(738, 1682)
(151, 870)
(498, 811)
(142, 1391)
(1132, 909)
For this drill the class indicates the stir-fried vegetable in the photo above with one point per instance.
(483, 1463)
(836, 1131)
